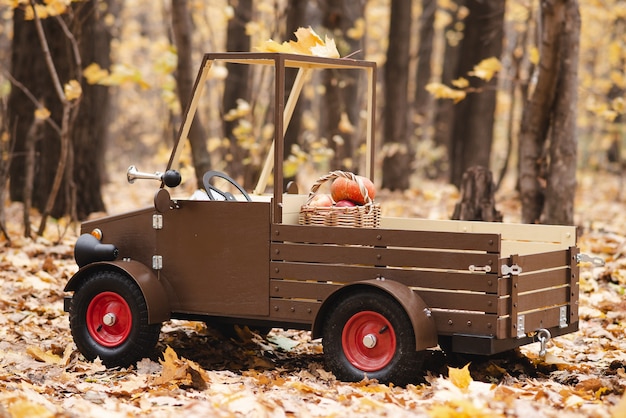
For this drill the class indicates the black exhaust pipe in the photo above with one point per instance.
(89, 250)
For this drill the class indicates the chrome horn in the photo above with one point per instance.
(133, 174)
(171, 178)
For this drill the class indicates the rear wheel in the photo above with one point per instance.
(109, 320)
(368, 334)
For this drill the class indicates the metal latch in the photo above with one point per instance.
(473, 268)
(513, 270)
(157, 262)
(543, 336)
(521, 326)
(585, 258)
(157, 221)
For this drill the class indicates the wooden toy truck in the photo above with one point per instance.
(378, 296)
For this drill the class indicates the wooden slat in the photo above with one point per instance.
(379, 256)
(477, 282)
(565, 235)
(544, 279)
(449, 323)
(460, 301)
(544, 261)
(534, 321)
(386, 238)
(288, 289)
(543, 299)
(293, 310)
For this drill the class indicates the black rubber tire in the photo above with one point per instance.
(404, 365)
(141, 337)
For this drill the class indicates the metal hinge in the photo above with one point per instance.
(157, 221)
(513, 270)
(596, 261)
(521, 326)
(157, 262)
(563, 317)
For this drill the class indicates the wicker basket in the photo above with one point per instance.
(364, 216)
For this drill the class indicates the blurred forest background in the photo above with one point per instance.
(531, 89)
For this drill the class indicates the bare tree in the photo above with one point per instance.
(547, 148)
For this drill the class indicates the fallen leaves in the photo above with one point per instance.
(198, 372)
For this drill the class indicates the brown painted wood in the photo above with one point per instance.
(449, 323)
(477, 282)
(387, 237)
(331, 254)
(297, 311)
(543, 299)
(543, 261)
(544, 279)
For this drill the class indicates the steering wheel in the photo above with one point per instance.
(211, 190)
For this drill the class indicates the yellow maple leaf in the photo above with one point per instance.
(441, 91)
(308, 43)
(42, 113)
(93, 73)
(45, 356)
(461, 378)
(460, 83)
(487, 68)
(72, 90)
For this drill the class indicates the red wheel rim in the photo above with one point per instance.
(109, 319)
(369, 341)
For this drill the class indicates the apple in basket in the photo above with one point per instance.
(345, 204)
(344, 188)
(321, 201)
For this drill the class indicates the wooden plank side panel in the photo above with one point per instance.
(451, 322)
(544, 261)
(481, 303)
(377, 237)
(292, 289)
(543, 299)
(359, 255)
(544, 279)
(296, 311)
(475, 282)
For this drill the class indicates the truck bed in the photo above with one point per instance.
(499, 281)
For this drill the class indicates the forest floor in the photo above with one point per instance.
(197, 373)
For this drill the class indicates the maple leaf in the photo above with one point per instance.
(308, 43)
(487, 68)
(72, 90)
(461, 378)
(441, 91)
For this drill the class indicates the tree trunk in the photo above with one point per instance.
(472, 132)
(548, 185)
(80, 191)
(343, 98)
(182, 28)
(477, 197)
(561, 186)
(397, 148)
(423, 99)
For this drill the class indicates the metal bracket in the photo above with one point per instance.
(521, 327)
(157, 262)
(585, 258)
(473, 268)
(563, 317)
(513, 270)
(157, 221)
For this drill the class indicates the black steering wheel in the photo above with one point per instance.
(210, 189)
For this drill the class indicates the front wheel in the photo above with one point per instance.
(109, 320)
(368, 334)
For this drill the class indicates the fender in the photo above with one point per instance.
(424, 326)
(152, 289)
